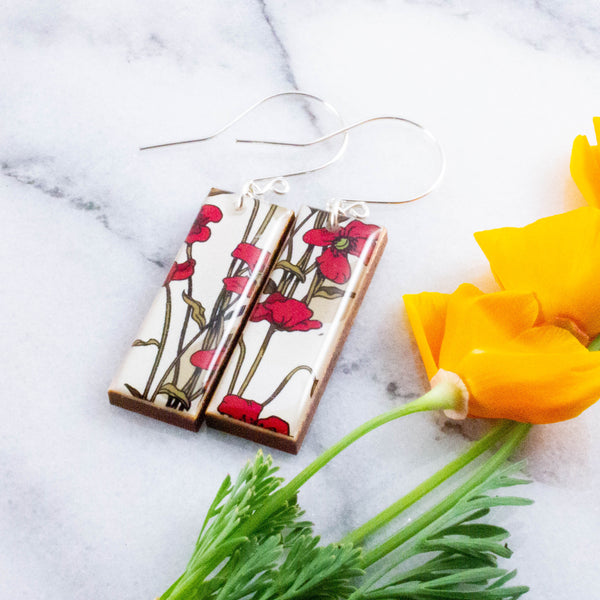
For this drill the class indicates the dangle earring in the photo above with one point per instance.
(286, 352)
(175, 363)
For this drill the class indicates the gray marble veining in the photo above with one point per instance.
(99, 503)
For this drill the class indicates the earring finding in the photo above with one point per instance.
(251, 188)
(349, 207)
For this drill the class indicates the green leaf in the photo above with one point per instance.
(198, 312)
(467, 546)
(313, 572)
(172, 390)
(133, 391)
(291, 268)
(476, 530)
(465, 553)
(330, 292)
(150, 342)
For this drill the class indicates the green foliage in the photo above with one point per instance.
(465, 563)
(281, 559)
(239, 556)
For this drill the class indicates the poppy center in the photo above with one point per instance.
(341, 243)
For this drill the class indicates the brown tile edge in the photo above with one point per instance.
(167, 415)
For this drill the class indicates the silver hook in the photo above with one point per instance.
(249, 189)
(348, 204)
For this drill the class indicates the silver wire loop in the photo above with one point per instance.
(329, 107)
(253, 191)
(345, 130)
(345, 208)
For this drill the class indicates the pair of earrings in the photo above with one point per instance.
(252, 315)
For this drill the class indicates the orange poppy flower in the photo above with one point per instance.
(511, 368)
(558, 258)
(585, 166)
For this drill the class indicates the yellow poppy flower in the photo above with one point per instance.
(511, 368)
(558, 258)
(585, 166)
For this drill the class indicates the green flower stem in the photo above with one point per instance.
(485, 443)
(517, 434)
(443, 396)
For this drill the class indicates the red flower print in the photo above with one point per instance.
(238, 285)
(274, 424)
(248, 411)
(199, 231)
(205, 359)
(333, 263)
(239, 408)
(180, 271)
(286, 314)
(252, 256)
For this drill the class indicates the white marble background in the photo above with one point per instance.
(97, 502)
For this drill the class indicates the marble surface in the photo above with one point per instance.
(97, 502)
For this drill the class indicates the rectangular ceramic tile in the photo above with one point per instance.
(281, 363)
(175, 362)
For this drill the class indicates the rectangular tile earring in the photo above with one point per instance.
(272, 383)
(174, 365)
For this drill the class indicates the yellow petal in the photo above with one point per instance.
(558, 258)
(475, 320)
(427, 316)
(585, 168)
(544, 376)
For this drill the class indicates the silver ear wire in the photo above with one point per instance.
(251, 189)
(345, 130)
(344, 208)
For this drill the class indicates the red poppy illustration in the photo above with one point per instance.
(200, 232)
(248, 411)
(239, 285)
(205, 359)
(333, 262)
(254, 257)
(274, 424)
(286, 314)
(180, 271)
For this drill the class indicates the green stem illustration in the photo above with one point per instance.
(314, 286)
(186, 319)
(284, 382)
(264, 224)
(255, 207)
(179, 356)
(305, 258)
(163, 341)
(256, 363)
(238, 365)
